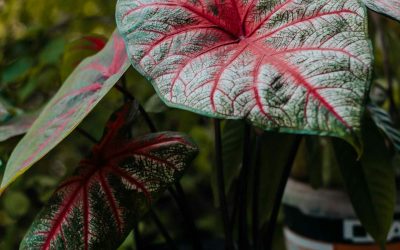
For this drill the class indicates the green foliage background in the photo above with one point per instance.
(33, 37)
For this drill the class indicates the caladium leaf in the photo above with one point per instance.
(293, 66)
(388, 7)
(86, 86)
(112, 188)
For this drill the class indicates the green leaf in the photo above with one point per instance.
(289, 66)
(16, 70)
(390, 8)
(86, 86)
(154, 105)
(384, 122)
(370, 182)
(112, 188)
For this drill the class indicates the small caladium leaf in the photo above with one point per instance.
(112, 188)
(388, 7)
(294, 66)
(86, 86)
(17, 125)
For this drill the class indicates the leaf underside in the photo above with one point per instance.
(85, 87)
(388, 7)
(286, 65)
(98, 206)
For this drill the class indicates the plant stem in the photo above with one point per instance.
(256, 196)
(279, 194)
(87, 135)
(246, 163)
(136, 235)
(191, 229)
(163, 230)
(223, 207)
(146, 116)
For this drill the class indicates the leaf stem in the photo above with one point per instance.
(246, 164)
(168, 239)
(256, 191)
(146, 116)
(279, 194)
(87, 135)
(180, 199)
(223, 207)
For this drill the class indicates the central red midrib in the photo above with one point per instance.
(221, 71)
(285, 67)
(57, 224)
(112, 201)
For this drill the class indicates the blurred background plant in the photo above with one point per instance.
(38, 48)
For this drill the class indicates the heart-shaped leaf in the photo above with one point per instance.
(99, 205)
(86, 86)
(295, 66)
(387, 7)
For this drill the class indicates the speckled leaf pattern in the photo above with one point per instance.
(298, 66)
(86, 86)
(98, 206)
(388, 7)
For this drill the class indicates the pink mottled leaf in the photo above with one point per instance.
(388, 7)
(85, 87)
(98, 206)
(293, 66)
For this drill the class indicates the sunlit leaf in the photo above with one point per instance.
(370, 182)
(294, 66)
(86, 86)
(111, 189)
(387, 7)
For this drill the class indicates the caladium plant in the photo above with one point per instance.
(83, 89)
(284, 65)
(112, 188)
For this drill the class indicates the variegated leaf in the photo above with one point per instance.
(98, 206)
(86, 86)
(387, 7)
(297, 66)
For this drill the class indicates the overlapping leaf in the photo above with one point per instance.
(370, 182)
(86, 86)
(98, 206)
(387, 7)
(294, 66)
